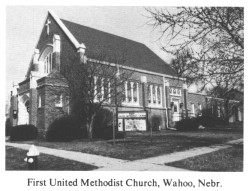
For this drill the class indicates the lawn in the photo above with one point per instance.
(137, 145)
(226, 160)
(15, 161)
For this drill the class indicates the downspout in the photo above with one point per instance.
(166, 85)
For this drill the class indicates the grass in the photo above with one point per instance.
(15, 161)
(226, 160)
(138, 145)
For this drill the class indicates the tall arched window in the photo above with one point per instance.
(48, 63)
(46, 60)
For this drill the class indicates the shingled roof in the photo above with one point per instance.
(135, 54)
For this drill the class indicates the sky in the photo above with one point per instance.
(24, 25)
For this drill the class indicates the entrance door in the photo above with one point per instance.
(176, 109)
(23, 110)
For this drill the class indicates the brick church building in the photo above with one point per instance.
(156, 90)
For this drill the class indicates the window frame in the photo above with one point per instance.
(39, 102)
(48, 63)
(58, 101)
(172, 89)
(132, 102)
(193, 112)
(154, 91)
(102, 90)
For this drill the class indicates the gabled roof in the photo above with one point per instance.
(135, 54)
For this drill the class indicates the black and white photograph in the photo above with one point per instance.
(117, 103)
(124, 88)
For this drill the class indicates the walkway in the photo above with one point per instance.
(96, 160)
(112, 164)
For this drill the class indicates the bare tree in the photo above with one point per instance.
(183, 66)
(228, 107)
(91, 84)
(215, 36)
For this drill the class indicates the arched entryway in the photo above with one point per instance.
(23, 110)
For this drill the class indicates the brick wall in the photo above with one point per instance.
(33, 107)
(196, 100)
(13, 106)
(24, 86)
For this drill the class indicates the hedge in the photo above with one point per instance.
(23, 133)
(209, 120)
(189, 124)
(7, 127)
(156, 122)
(65, 128)
(103, 125)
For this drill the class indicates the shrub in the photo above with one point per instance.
(103, 125)
(207, 119)
(189, 124)
(155, 122)
(23, 133)
(65, 128)
(7, 127)
(221, 121)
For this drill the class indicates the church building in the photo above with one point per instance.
(154, 95)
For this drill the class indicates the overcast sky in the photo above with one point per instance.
(24, 24)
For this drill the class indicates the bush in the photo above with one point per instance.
(189, 124)
(103, 125)
(207, 119)
(7, 127)
(221, 121)
(65, 128)
(23, 133)
(155, 122)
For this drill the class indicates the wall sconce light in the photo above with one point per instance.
(166, 83)
(184, 86)
(171, 104)
(181, 105)
(143, 79)
(14, 113)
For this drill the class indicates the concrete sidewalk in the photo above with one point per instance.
(159, 162)
(96, 160)
(112, 164)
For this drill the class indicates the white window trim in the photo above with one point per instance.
(60, 101)
(218, 111)
(176, 94)
(132, 103)
(200, 107)
(48, 63)
(102, 90)
(193, 109)
(39, 101)
(178, 106)
(152, 104)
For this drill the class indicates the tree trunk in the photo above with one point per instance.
(90, 126)
(227, 111)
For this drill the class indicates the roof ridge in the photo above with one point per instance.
(103, 32)
(138, 54)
